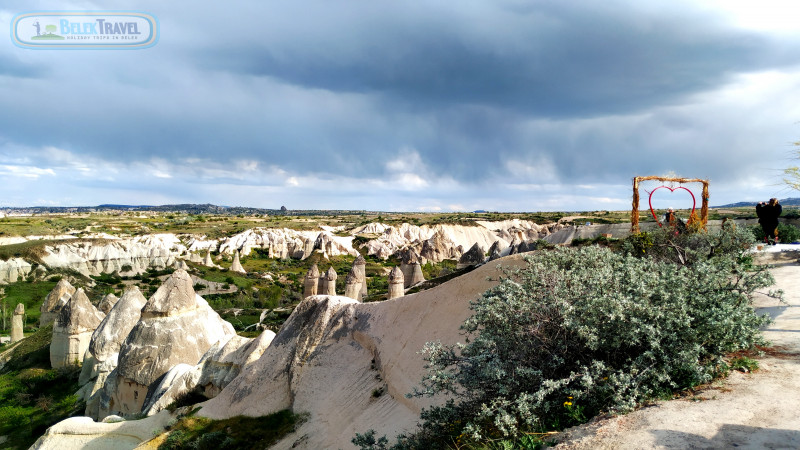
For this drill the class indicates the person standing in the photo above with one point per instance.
(768, 214)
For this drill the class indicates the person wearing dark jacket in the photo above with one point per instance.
(768, 214)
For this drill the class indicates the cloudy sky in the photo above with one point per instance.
(504, 105)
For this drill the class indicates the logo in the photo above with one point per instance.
(84, 30)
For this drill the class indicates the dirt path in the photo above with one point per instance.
(754, 410)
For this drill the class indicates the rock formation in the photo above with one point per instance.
(105, 345)
(495, 251)
(107, 303)
(472, 257)
(216, 369)
(411, 268)
(180, 264)
(440, 247)
(13, 270)
(72, 330)
(360, 264)
(311, 282)
(327, 283)
(236, 266)
(352, 287)
(396, 283)
(207, 260)
(176, 326)
(54, 301)
(17, 323)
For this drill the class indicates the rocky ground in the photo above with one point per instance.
(747, 410)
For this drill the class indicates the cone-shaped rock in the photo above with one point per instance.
(311, 282)
(411, 268)
(396, 283)
(328, 283)
(236, 266)
(105, 345)
(360, 264)
(176, 327)
(472, 257)
(207, 260)
(17, 323)
(72, 330)
(107, 303)
(352, 287)
(54, 301)
(495, 251)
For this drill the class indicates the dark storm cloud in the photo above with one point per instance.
(477, 92)
(555, 59)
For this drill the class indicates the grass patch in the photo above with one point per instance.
(238, 432)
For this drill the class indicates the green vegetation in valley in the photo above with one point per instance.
(32, 395)
(192, 432)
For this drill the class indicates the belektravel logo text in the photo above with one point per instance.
(84, 30)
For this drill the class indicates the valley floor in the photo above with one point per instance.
(746, 410)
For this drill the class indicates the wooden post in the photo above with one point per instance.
(635, 211)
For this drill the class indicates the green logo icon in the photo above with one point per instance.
(50, 33)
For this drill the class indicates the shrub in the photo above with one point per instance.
(579, 331)
(787, 233)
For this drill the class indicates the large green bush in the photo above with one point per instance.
(579, 331)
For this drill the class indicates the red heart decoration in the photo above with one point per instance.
(650, 200)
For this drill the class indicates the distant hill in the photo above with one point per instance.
(188, 208)
(785, 202)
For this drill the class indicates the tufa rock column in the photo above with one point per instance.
(237, 266)
(311, 281)
(207, 260)
(396, 283)
(107, 303)
(360, 264)
(328, 282)
(352, 287)
(72, 331)
(17, 323)
(54, 301)
(411, 268)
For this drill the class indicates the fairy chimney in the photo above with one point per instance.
(207, 260)
(72, 330)
(411, 268)
(17, 323)
(352, 287)
(237, 266)
(54, 301)
(396, 283)
(328, 282)
(311, 282)
(107, 303)
(360, 264)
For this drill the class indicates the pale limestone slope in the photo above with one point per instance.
(333, 353)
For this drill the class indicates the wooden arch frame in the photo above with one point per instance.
(635, 210)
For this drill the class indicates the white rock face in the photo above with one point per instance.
(311, 282)
(333, 352)
(107, 303)
(327, 283)
(236, 266)
(140, 253)
(83, 433)
(72, 330)
(105, 345)
(176, 326)
(54, 301)
(14, 270)
(217, 368)
(396, 282)
(285, 243)
(17, 323)
(473, 257)
(352, 285)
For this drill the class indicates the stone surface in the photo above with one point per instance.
(352, 286)
(236, 266)
(72, 330)
(496, 250)
(54, 301)
(333, 353)
(411, 268)
(84, 433)
(107, 303)
(396, 283)
(216, 369)
(360, 264)
(14, 270)
(472, 257)
(176, 327)
(105, 345)
(18, 323)
(327, 283)
(207, 260)
(311, 282)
